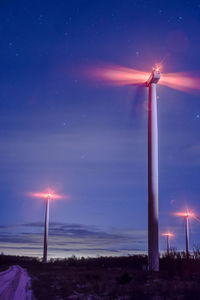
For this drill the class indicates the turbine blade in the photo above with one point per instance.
(120, 76)
(181, 81)
(117, 75)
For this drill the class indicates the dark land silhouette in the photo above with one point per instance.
(112, 277)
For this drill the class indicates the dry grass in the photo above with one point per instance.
(122, 278)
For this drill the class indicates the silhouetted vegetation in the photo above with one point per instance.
(112, 277)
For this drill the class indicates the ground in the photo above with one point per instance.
(107, 278)
(15, 284)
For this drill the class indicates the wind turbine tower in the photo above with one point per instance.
(187, 235)
(46, 228)
(186, 216)
(153, 244)
(47, 197)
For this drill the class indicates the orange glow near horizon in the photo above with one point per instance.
(120, 76)
(169, 234)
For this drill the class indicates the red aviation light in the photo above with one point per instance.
(169, 234)
(188, 214)
(50, 195)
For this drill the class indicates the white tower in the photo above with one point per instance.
(186, 216)
(187, 235)
(153, 247)
(46, 229)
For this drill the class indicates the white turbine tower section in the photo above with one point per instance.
(187, 235)
(186, 216)
(46, 229)
(168, 247)
(153, 247)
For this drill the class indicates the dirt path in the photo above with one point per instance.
(15, 284)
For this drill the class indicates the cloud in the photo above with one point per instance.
(71, 239)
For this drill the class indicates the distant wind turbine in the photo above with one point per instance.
(187, 214)
(168, 235)
(47, 196)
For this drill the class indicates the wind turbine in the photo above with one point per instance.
(168, 235)
(46, 227)
(186, 216)
(153, 247)
(120, 76)
(129, 76)
(47, 197)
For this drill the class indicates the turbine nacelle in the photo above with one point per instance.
(154, 77)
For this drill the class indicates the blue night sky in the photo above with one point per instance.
(88, 140)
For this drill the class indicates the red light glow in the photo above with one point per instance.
(157, 68)
(185, 214)
(169, 234)
(48, 195)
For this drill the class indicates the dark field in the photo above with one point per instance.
(111, 277)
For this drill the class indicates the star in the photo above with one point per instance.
(180, 19)
(40, 19)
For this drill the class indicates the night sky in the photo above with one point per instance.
(88, 140)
